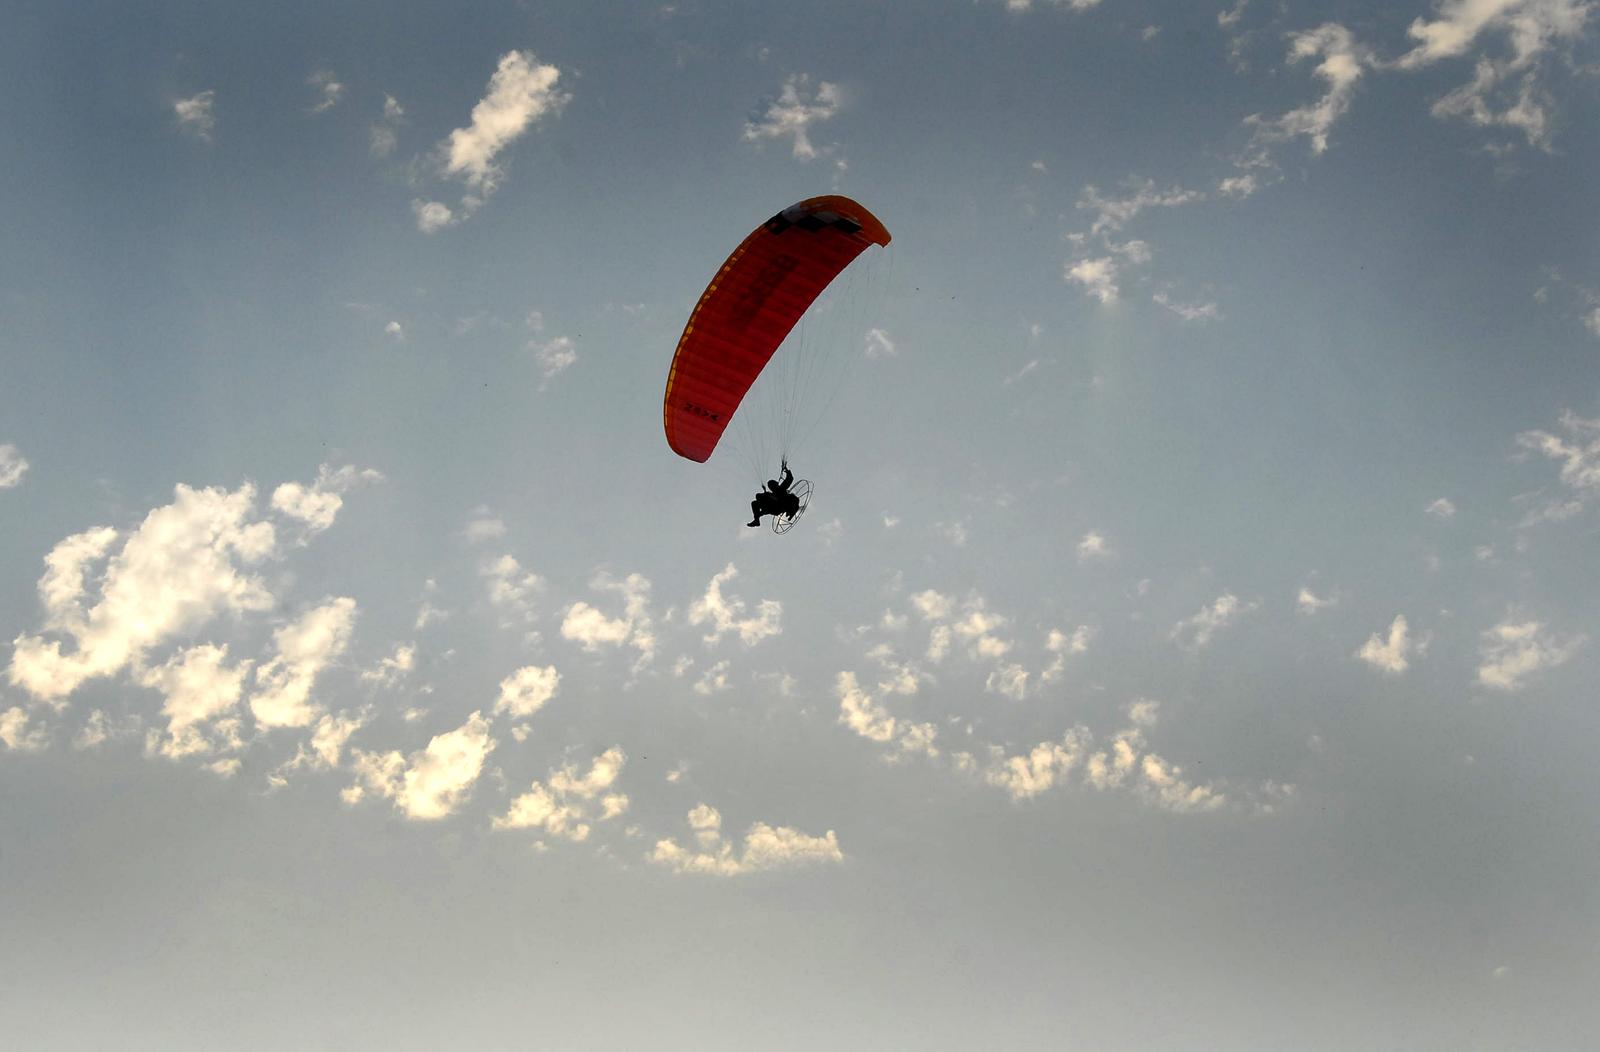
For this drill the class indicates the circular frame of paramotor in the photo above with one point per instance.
(784, 523)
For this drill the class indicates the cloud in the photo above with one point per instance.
(391, 670)
(860, 711)
(197, 115)
(180, 568)
(725, 614)
(318, 504)
(554, 357)
(384, 134)
(1511, 652)
(714, 680)
(1113, 213)
(202, 694)
(1441, 509)
(1578, 450)
(1239, 186)
(1194, 633)
(1343, 61)
(793, 113)
(510, 588)
(765, 847)
(588, 627)
(1503, 92)
(1073, 5)
(526, 690)
(1125, 765)
(305, 648)
(322, 752)
(328, 89)
(429, 784)
(1189, 311)
(879, 345)
(433, 216)
(1060, 644)
(17, 735)
(1097, 276)
(1388, 655)
(1093, 545)
(12, 466)
(1041, 768)
(521, 93)
(564, 806)
(1309, 602)
(483, 526)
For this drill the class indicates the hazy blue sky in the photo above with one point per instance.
(1192, 641)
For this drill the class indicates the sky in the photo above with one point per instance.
(1186, 642)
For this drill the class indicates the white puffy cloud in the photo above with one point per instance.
(977, 627)
(180, 568)
(433, 216)
(385, 134)
(554, 357)
(526, 690)
(1097, 276)
(859, 710)
(1041, 768)
(1310, 602)
(1194, 633)
(17, 734)
(1093, 545)
(726, 614)
(322, 752)
(932, 605)
(765, 847)
(318, 504)
(521, 93)
(431, 783)
(202, 694)
(510, 587)
(389, 671)
(1125, 765)
(13, 465)
(1059, 644)
(328, 90)
(714, 680)
(1503, 92)
(304, 648)
(1511, 652)
(591, 629)
(1391, 655)
(794, 112)
(564, 805)
(1443, 508)
(197, 114)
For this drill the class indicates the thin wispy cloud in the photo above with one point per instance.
(13, 465)
(197, 114)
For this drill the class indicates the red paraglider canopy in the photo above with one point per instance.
(750, 306)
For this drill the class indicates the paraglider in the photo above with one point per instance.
(758, 295)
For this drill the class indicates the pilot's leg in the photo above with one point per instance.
(755, 513)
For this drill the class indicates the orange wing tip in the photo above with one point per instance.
(871, 227)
